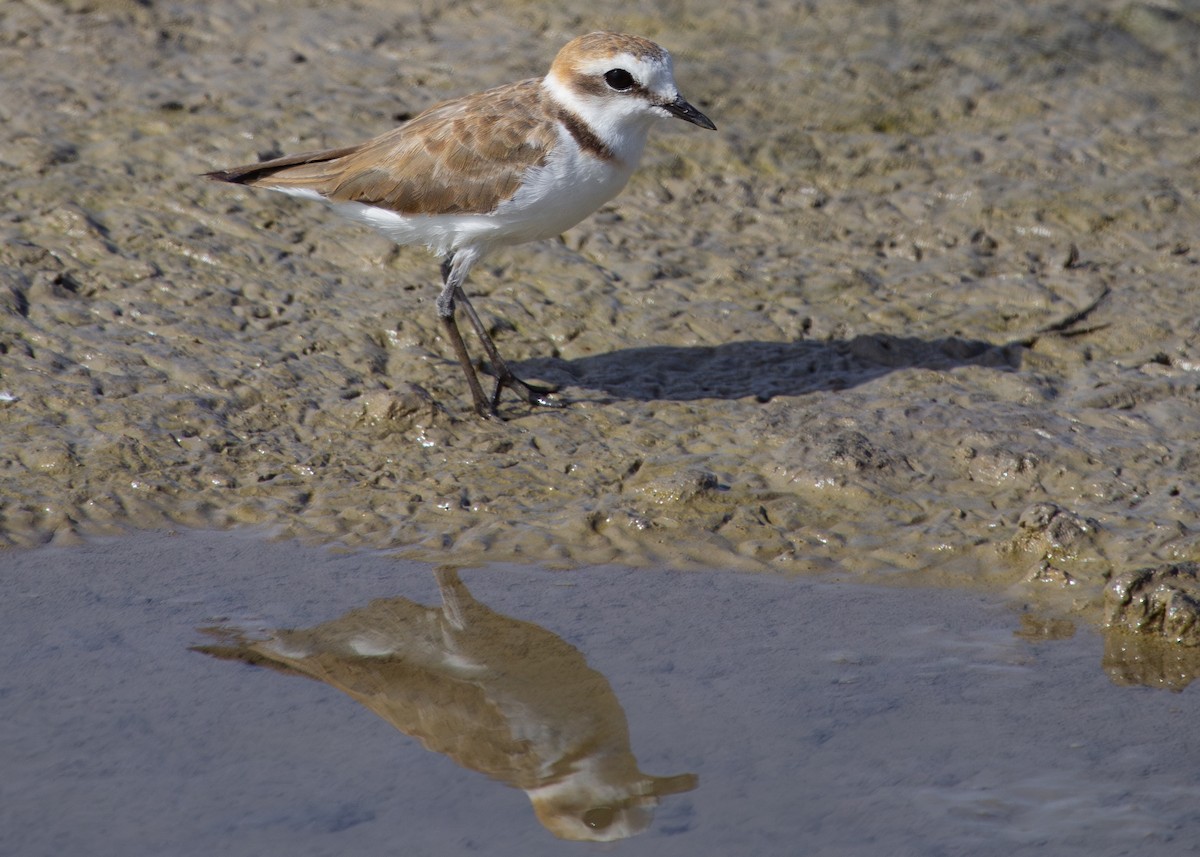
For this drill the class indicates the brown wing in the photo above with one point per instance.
(459, 157)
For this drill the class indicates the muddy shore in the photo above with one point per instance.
(923, 309)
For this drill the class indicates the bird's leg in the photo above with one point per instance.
(532, 393)
(454, 272)
(445, 308)
(456, 598)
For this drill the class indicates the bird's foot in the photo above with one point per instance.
(534, 394)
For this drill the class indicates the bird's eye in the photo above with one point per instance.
(600, 817)
(618, 79)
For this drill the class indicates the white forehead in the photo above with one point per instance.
(583, 61)
(653, 72)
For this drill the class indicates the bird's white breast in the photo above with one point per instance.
(572, 184)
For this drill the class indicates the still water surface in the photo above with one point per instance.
(496, 710)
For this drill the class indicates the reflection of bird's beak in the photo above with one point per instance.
(680, 109)
(676, 785)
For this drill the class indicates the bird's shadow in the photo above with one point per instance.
(764, 370)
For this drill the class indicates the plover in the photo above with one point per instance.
(517, 163)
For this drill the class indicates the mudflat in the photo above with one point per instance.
(924, 308)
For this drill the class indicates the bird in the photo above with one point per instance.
(520, 162)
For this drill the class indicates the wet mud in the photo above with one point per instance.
(923, 309)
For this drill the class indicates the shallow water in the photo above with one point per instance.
(794, 716)
(932, 282)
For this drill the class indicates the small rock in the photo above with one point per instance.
(1053, 532)
(1162, 601)
(854, 451)
(668, 484)
(387, 411)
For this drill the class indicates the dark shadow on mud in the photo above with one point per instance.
(765, 369)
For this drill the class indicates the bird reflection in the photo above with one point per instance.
(497, 695)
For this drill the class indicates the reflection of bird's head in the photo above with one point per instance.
(582, 808)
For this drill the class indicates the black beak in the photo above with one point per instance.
(680, 109)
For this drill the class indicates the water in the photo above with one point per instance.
(794, 716)
(937, 269)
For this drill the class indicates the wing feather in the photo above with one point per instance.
(460, 157)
